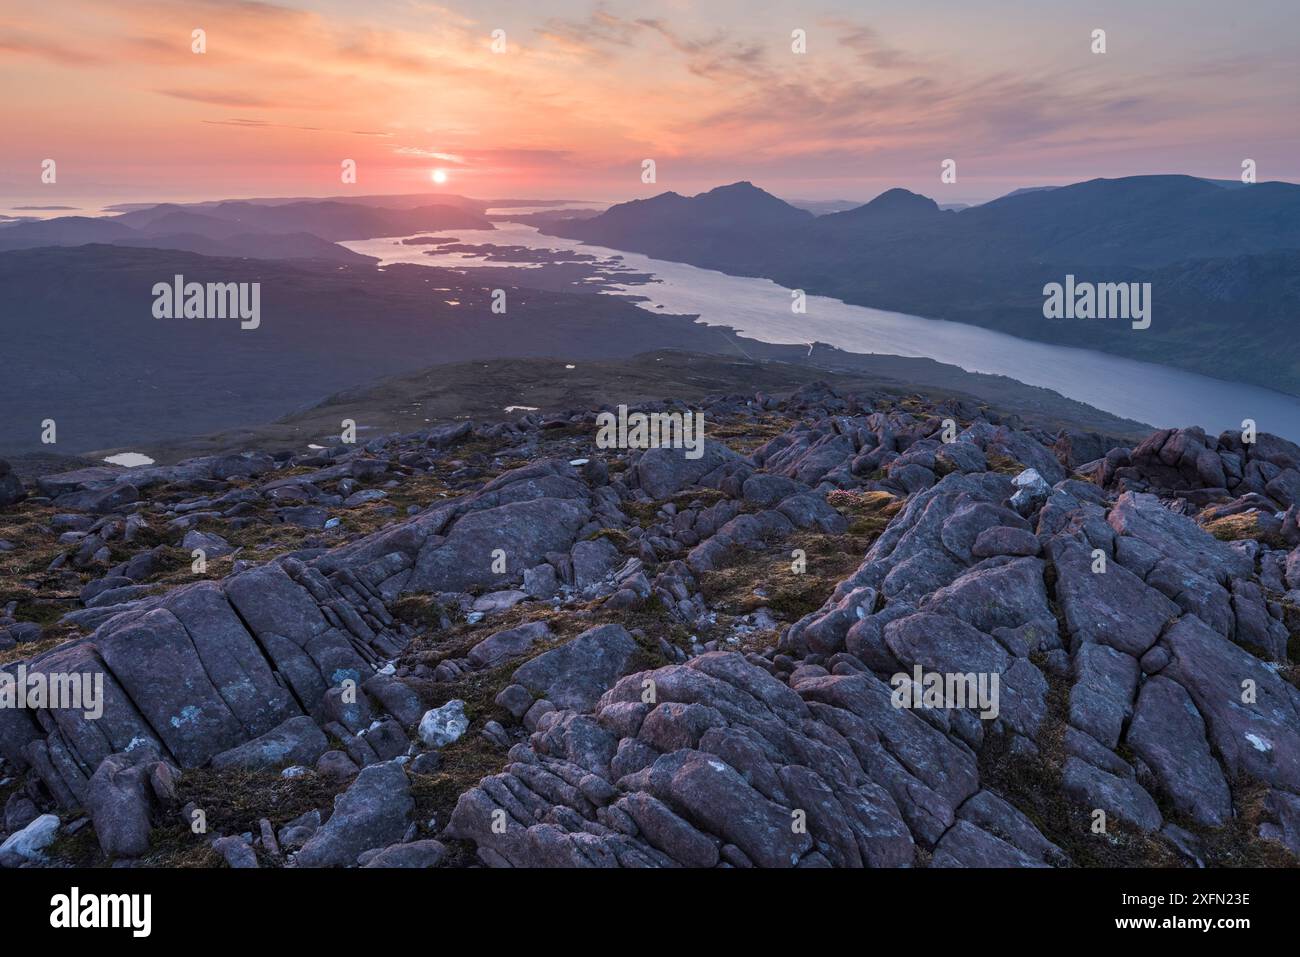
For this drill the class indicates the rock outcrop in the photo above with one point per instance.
(614, 635)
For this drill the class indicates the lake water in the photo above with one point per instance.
(760, 309)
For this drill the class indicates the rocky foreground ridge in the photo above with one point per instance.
(499, 645)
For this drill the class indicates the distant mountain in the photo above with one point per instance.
(893, 211)
(336, 221)
(1027, 189)
(1224, 183)
(62, 231)
(168, 220)
(286, 246)
(305, 230)
(546, 217)
(1140, 221)
(720, 223)
(379, 201)
(987, 265)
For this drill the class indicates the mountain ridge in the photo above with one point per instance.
(987, 265)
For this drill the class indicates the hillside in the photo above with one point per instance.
(499, 644)
(987, 265)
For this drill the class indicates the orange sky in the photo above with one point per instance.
(584, 91)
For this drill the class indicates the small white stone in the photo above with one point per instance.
(30, 843)
(441, 726)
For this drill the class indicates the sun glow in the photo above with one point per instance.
(439, 176)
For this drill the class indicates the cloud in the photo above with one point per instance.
(515, 158)
(720, 56)
(709, 88)
(593, 34)
(218, 97)
(263, 124)
(867, 46)
(46, 49)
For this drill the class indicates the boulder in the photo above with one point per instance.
(373, 812)
(593, 561)
(1168, 733)
(1260, 738)
(1113, 607)
(575, 674)
(441, 726)
(525, 530)
(1100, 790)
(1105, 681)
(499, 648)
(417, 854)
(122, 802)
(295, 742)
(965, 845)
(28, 845)
(662, 472)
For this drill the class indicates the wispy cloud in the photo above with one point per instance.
(218, 97)
(49, 49)
(585, 91)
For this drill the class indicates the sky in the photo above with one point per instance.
(584, 92)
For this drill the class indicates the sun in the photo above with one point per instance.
(439, 176)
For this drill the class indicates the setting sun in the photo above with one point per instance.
(439, 176)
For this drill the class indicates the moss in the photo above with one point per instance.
(616, 535)
(1242, 526)
(732, 588)
(25, 527)
(234, 802)
(1033, 786)
(1004, 464)
(745, 435)
(868, 513)
(791, 604)
(235, 799)
(647, 513)
(50, 639)
(1291, 618)
(77, 850)
(1237, 843)
(420, 611)
(463, 764)
(43, 611)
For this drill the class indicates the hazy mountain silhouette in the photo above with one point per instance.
(62, 231)
(723, 223)
(338, 221)
(287, 246)
(301, 230)
(987, 265)
(377, 200)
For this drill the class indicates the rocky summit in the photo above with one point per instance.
(857, 630)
